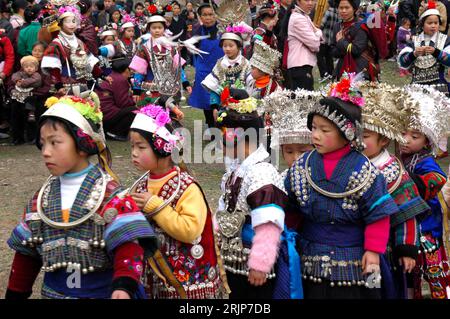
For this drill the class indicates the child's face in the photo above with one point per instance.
(29, 68)
(191, 15)
(326, 137)
(109, 39)
(230, 48)
(116, 16)
(59, 151)
(139, 11)
(128, 33)
(292, 152)
(38, 52)
(157, 30)
(69, 25)
(257, 73)
(375, 143)
(415, 142)
(142, 155)
(431, 25)
(176, 10)
(407, 25)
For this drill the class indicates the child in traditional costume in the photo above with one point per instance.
(427, 55)
(67, 58)
(108, 37)
(343, 199)
(186, 264)
(424, 138)
(156, 56)
(127, 30)
(78, 221)
(250, 216)
(385, 117)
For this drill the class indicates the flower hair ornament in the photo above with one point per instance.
(127, 22)
(347, 89)
(69, 11)
(82, 113)
(342, 106)
(153, 119)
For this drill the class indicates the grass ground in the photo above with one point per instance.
(22, 173)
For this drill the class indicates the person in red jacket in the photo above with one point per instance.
(117, 100)
(6, 69)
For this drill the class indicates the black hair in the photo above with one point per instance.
(100, 5)
(175, 3)
(70, 129)
(139, 4)
(4, 6)
(204, 5)
(19, 4)
(44, 44)
(31, 13)
(404, 20)
(120, 64)
(84, 6)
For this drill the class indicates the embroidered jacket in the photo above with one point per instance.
(332, 240)
(404, 239)
(252, 196)
(430, 179)
(428, 69)
(90, 247)
(236, 74)
(186, 240)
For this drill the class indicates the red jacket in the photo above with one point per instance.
(6, 55)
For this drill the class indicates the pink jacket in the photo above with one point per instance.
(303, 40)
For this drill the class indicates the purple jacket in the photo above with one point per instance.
(115, 96)
(403, 36)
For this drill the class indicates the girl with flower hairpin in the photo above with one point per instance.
(343, 199)
(67, 59)
(88, 238)
(186, 264)
(127, 30)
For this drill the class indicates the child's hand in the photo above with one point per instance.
(369, 258)
(407, 263)
(120, 294)
(19, 83)
(419, 51)
(141, 199)
(256, 278)
(429, 50)
(178, 113)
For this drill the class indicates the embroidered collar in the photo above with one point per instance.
(382, 159)
(227, 62)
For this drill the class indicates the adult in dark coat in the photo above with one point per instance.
(117, 101)
(408, 9)
(4, 20)
(351, 45)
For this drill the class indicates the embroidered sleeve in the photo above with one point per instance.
(406, 239)
(376, 203)
(187, 221)
(125, 223)
(433, 183)
(128, 267)
(265, 195)
(406, 57)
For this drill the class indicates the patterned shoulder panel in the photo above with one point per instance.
(259, 175)
(171, 185)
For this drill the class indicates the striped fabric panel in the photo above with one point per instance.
(20, 233)
(127, 232)
(415, 207)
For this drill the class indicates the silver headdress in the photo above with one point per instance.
(289, 112)
(432, 119)
(231, 15)
(386, 110)
(265, 58)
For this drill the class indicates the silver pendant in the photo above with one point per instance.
(230, 224)
(197, 251)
